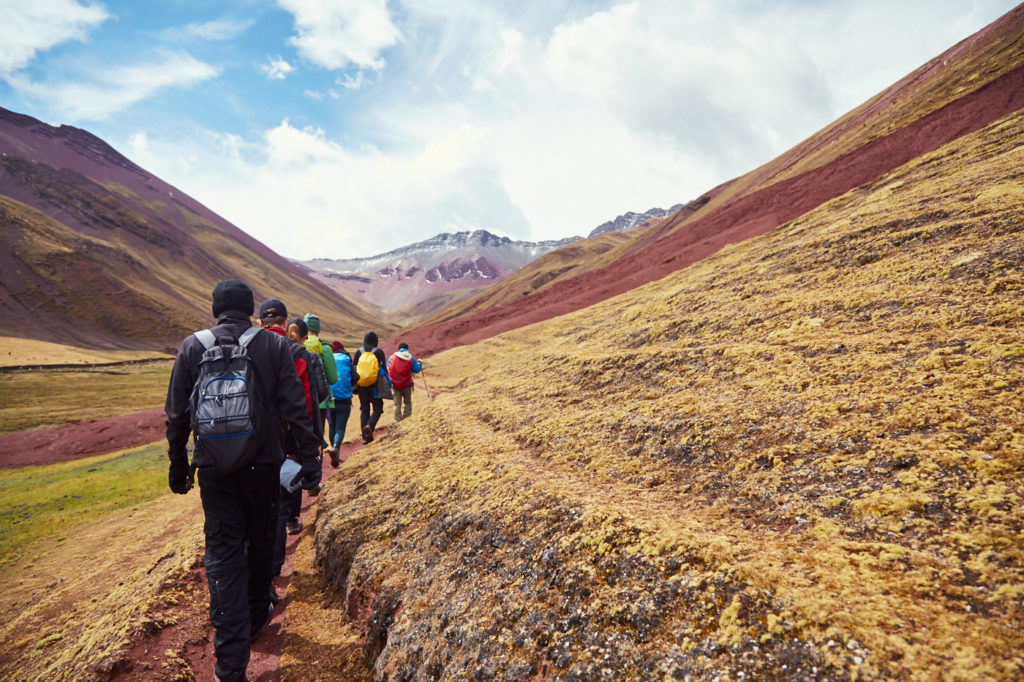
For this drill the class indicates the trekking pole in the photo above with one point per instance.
(426, 388)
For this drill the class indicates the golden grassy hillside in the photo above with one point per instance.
(965, 68)
(120, 270)
(800, 458)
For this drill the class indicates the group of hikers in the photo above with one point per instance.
(257, 405)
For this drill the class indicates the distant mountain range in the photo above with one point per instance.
(629, 220)
(427, 275)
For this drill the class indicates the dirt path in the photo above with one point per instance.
(185, 643)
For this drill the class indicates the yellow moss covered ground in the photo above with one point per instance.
(799, 458)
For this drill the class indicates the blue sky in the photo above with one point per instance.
(350, 127)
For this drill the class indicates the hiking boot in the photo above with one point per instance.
(367, 434)
(256, 628)
(293, 526)
(336, 456)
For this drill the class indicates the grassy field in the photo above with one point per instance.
(17, 352)
(799, 458)
(51, 502)
(50, 397)
(93, 548)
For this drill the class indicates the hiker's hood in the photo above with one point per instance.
(404, 354)
(277, 329)
(313, 344)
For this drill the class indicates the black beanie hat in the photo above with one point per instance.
(232, 294)
(370, 340)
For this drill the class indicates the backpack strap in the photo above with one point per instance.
(209, 340)
(206, 337)
(247, 336)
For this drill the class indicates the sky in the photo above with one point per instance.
(346, 128)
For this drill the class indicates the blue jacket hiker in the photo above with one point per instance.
(341, 390)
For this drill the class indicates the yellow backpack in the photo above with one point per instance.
(367, 368)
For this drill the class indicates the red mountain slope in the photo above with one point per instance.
(974, 83)
(100, 253)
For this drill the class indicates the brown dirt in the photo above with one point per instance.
(81, 439)
(745, 217)
(185, 646)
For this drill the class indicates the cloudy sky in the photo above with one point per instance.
(343, 128)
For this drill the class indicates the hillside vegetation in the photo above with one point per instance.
(126, 266)
(974, 83)
(797, 459)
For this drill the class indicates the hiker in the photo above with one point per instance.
(318, 386)
(313, 345)
(401, 366)
(341, 391)
(365, 378)
(238, 476)
(272, 315)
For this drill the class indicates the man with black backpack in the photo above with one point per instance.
(236, 389)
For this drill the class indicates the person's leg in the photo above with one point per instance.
(407, 391)
(280, 534)
(378, 410)
(261, 485)
(342, 412)
(365, 398)
(365, 420)
(399, 393)
(334, 427)
(226, 570)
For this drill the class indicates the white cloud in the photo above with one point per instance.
(337, 35)
(218, 29)
(307, 196)
(548, 120)
(28, 28)
(276, 68)
(353, 83)
(106, 91)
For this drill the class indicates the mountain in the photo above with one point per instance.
(424, 276)
(797, 458)
(629, 220)
(961, 91)
(101, 253)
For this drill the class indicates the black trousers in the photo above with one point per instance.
(289, 508)
(241, 517)
(366, 400)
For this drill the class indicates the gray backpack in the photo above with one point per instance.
(228, 420)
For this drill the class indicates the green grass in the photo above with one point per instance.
(51, 397)
(51, 501)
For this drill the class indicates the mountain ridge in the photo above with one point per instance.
(420, 277)
(106, 255)
(956, 101)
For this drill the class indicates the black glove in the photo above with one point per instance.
(311, 474)
(180, 476)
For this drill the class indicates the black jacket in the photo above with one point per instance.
(278, 384)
